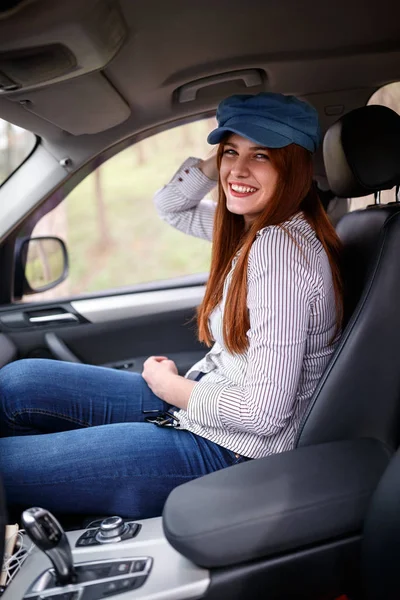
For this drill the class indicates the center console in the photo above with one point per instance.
(114, 558)
(284, 526)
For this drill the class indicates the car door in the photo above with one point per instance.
(134, 283)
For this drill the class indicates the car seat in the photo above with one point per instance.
(290, 525)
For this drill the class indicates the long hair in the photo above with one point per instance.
(294, 192)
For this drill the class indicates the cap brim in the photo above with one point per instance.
(259, 135)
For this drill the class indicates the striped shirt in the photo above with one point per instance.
(252, 403)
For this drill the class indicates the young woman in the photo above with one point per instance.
(74, 438)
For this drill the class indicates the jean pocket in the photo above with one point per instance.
(234, 458)
(240, 459)
(149, 402)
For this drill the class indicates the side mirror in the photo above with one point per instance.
(41, 264)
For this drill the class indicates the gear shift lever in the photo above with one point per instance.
(48, 535)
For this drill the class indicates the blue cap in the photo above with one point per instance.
(271, 120)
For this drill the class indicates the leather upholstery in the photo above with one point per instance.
(381, 549)
(361, 152)
(359, 393)
(361, 233)
(271, 505)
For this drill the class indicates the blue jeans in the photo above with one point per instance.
(73, 439)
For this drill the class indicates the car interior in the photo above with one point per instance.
(93, 78)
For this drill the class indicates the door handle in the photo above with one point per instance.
(250, 78)
(59, 349)
(60, 318)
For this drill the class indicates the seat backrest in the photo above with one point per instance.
(359, 393)
(361, 234)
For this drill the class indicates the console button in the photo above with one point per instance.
(131, 583)
(138, 581)
(89, 533)
(93, 537)
(89, 541)
(120, 568)
(92, 572)
(61, 596)
(110, 588)
(126, 584)
(102, 569)
(132, 530)
(138, 565)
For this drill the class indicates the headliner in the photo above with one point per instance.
(335, 54)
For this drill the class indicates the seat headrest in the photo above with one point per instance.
(362, 152)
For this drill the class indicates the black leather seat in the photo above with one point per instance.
(381, 548)
(297, 517)
(359, 394)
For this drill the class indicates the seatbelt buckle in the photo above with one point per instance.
(163, 419)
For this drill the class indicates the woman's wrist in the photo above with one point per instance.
(177, 390)
(209, 167)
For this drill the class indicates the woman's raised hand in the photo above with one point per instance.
(209, 167)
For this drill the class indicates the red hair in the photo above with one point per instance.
(294, 192)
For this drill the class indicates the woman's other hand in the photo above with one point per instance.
(161, 375)
(156, 370)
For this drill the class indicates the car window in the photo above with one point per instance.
(112, 231)
(389, 96)
(16, 144)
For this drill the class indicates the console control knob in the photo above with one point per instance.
(111, 529)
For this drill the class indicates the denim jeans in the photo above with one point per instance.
(73, 439)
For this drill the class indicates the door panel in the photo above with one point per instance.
(126, 329)
(115, 308)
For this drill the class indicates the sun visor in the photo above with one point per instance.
(52, 62)
(87, 104)
(62, 41)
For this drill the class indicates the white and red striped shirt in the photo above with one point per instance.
(252, 403)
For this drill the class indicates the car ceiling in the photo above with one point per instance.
(333, 54)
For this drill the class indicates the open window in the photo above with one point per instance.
(114, 237)
(16, 144)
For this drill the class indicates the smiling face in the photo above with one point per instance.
(248, 177)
